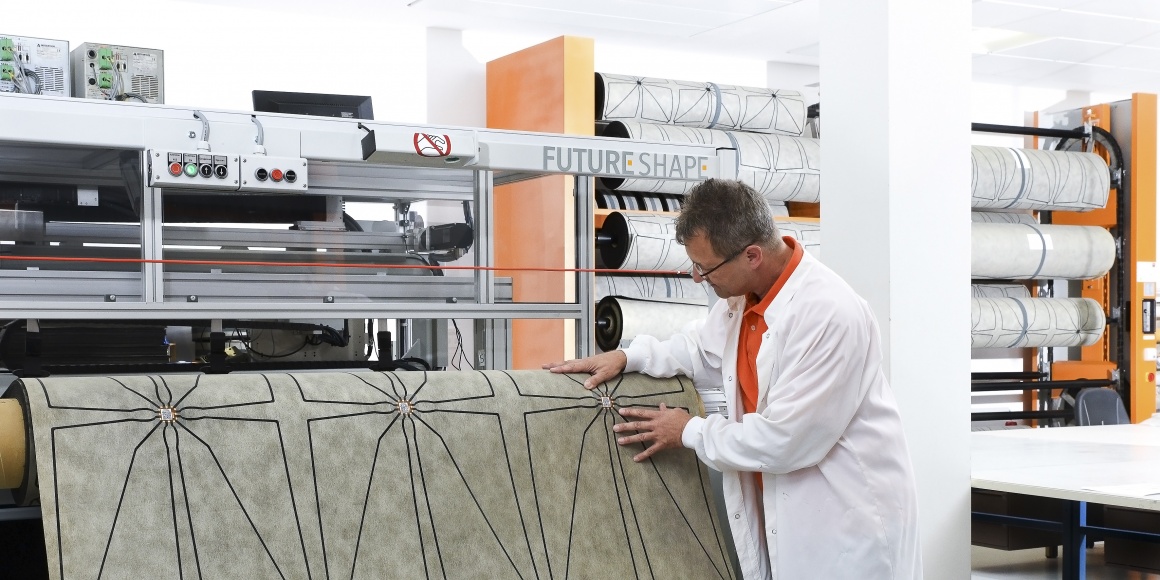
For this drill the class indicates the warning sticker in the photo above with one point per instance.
(432, 145)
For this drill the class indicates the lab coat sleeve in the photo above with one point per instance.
(694, 352)
(826, 363)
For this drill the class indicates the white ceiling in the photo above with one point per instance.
(1092, 45)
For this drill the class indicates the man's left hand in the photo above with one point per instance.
(659, 430)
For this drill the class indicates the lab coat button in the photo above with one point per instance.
(773, 532)
(736, 516)
(730, 379)
(730, 315)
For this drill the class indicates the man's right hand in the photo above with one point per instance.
(602, 367)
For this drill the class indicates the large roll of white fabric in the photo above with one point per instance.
(1000, 291)
(641, 241)
(1013, 178)
(699, 104)
(681, 288)
(1035, 322)
(619, 320)
(996, 217)
(780, 167)
(1027, 252)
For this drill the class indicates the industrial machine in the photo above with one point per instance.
(118, 73)
(167, 239)
(34, 66)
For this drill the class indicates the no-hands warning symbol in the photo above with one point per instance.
(432, 145)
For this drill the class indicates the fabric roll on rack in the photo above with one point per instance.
(619, 320)
(648, 241)
(1025, 251)
(641, 241)
(483, 474)
(1000, 291)
(1035, 322)
(1013, 178)
(780, 167)
(681, 288)
(997, 217)
(699, 104)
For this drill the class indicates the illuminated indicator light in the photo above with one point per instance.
(276, 175)
(1151, 377)
(191, 169)
(704, 168)
(630, 162)
(175, 169)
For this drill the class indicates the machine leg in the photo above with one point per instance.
(1075, 541)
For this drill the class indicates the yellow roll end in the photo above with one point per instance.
(12, 444)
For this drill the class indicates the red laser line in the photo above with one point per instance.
(334, 265)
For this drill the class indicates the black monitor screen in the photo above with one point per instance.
(342, 106)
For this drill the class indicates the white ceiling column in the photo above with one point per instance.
(895, 203)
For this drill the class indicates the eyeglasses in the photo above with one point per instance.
(705, 273)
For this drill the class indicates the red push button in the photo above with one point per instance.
(1151, 377)
(276, 175)
(175, 169)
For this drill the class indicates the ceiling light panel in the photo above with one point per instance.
(995, 14)
(1142, 9)
(1132, 57)
(1086, 27)
(1062, 49)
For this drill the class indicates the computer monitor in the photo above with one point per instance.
(342, 106)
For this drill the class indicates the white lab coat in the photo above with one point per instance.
(839, 493)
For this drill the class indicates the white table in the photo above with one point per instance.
(1117, 465)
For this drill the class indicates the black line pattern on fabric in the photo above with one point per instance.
(427, 450)
(168, 416)
(409, 408)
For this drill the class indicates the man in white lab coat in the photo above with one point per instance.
(817, 477)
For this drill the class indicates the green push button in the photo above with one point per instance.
(191, 169)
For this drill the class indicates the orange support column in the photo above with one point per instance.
(1142, 256)
(550, 88)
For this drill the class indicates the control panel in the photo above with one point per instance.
(35, 66)
(273, 174)
(199, 170)
(227, 172)
(118, 73)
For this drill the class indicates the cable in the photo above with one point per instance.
(459, 353)
(204, 125)
(260, 139)
(250, 348)
(127, 96)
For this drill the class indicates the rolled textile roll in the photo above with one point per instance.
(369, 475)
(1000, 291)
(666, 287)
(997, 217)
(648, 241)
(1028, 252)
(1012, 178)
(699, 104)
(808, 233)
(619, 320)
(780, 167)
(642, 242)
(1035, 322)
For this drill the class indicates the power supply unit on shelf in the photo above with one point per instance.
(118, 73)
(38, 66)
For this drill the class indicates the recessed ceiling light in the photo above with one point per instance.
(988, 40)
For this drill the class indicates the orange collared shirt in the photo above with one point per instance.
(753, 326)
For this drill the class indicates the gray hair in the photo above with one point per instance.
(731, 214)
